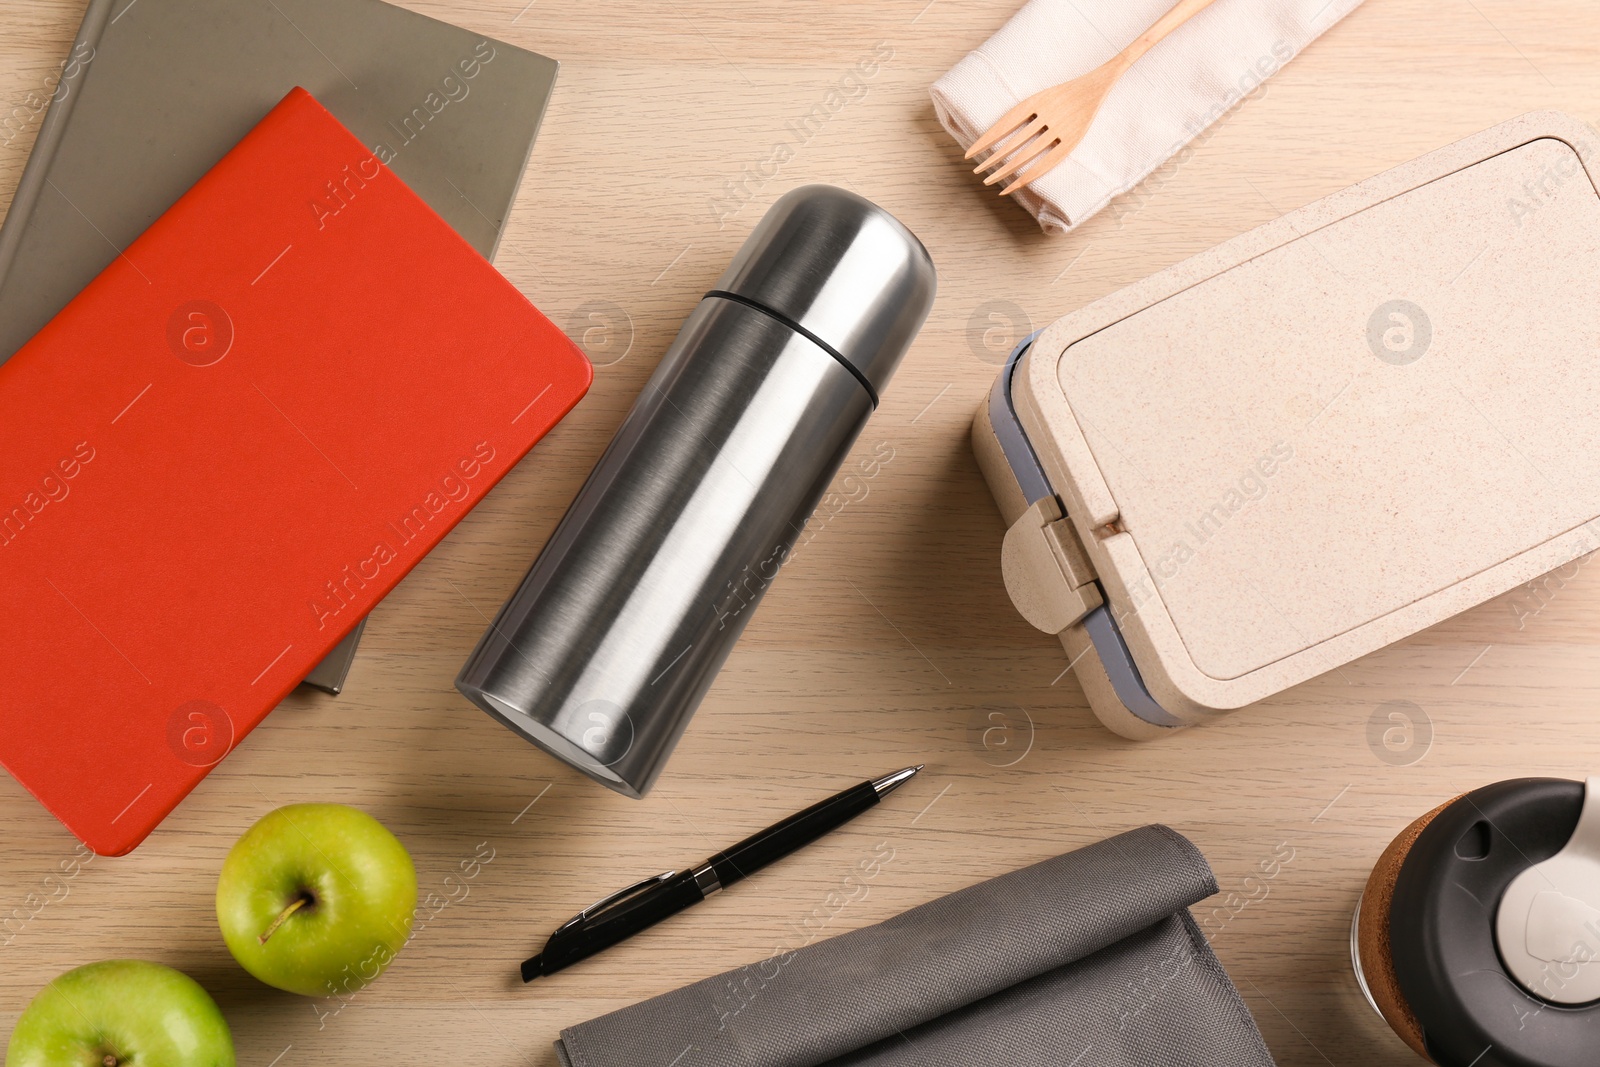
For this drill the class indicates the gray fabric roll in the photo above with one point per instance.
(1087, 959)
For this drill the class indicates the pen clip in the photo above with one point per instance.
(617, 898)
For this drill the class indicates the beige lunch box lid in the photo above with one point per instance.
(1332, 431)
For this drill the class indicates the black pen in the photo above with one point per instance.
(643, 904)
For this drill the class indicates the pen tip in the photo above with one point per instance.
(890, 782)
(531, 969)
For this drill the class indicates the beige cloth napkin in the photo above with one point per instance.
(1164, 102)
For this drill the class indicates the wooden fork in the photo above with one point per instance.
(1044, 129)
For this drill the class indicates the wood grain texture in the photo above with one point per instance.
(889, 640)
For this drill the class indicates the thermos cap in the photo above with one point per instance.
(1546, 922)
(1494, 927)
(844, 271)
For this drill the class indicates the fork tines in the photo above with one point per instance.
(1015, 142)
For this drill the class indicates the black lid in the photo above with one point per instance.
(1442, 930)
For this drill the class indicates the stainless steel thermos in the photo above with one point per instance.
(621, 625)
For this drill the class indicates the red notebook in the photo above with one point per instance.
(229, 448)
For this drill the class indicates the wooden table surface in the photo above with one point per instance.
(890, 640)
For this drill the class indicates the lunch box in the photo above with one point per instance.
(1316, 439)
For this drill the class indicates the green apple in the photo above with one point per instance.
(121, 1012)
(316, 899)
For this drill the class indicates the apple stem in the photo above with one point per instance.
(109, 1060)
(283, 916)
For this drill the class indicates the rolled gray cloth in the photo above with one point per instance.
(1090, 959)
